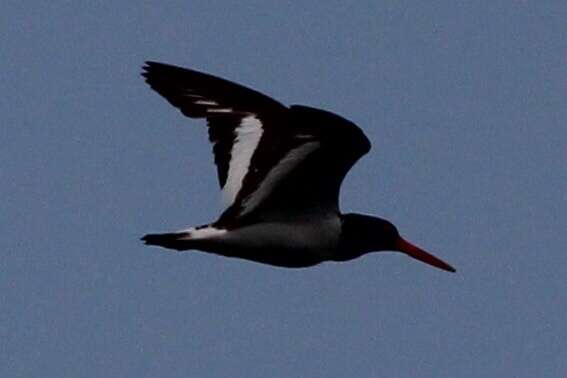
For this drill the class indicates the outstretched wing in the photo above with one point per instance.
(236, 116)
(270, 159)
(315, 150)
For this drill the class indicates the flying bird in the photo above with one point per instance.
(280, 169)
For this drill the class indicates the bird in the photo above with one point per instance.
(280, 169)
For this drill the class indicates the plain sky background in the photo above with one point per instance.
(465, 103)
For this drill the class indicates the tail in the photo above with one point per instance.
(201, 237)
(173, 240)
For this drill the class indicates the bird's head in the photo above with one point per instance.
(363, 234)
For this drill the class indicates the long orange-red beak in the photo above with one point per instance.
(419, 254)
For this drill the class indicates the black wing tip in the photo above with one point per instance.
(151, 68)
(148, 238)
(147, 69)
(162, 78)
(151, 64)
(162, 75)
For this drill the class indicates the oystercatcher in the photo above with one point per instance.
(280, 170)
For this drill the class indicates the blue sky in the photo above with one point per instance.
(464, 103)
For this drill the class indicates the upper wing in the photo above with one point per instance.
(271, 160)
(311, 155)
(237, 116)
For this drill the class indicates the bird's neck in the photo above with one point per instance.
(361, 234)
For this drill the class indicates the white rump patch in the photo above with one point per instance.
(207, 232)
(277, 173)
(247, 137)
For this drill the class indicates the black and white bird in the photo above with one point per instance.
(280, 170)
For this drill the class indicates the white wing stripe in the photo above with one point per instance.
(248, 135)
(219, 110)
(205, 102)
(274, 176)
(190, 94)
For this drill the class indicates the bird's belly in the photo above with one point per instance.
(281, 244)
